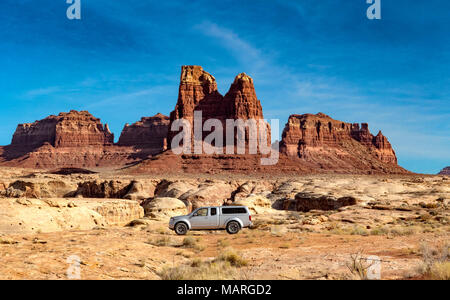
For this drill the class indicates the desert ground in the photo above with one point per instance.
(304, 227)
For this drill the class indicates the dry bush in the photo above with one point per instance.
(359, 230)
(396, 231)
(162, 230)
(190, 242)
(203, 271)
(355, 230)
(232, 257)
(285, 246)
(440, 271)
(161, 242)
(358, 265)
(382, 230)
(405, 231)
(221, 268)
(223, 243)
(435, 261)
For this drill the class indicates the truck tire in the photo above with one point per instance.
(181, 228)
(233, 227)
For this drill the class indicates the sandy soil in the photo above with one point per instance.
(400, 219)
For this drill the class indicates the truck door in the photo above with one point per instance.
(214, 217)
(200, 219)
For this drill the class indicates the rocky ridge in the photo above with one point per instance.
(310, 143)
(445, 171)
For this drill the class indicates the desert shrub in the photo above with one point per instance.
(197, 262)
(190, 242)
(198, 270)
(435, 261)
(223, 243)
(404, 231)
(284, 246)
(380, 231)
(358, 230)
(162, 230)
(396, 231)
(160, 242)
(440, 271)
(358, 265)
(231, 257)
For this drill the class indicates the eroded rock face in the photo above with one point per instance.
(38, 189)
(72, 129)
(164, 207)
(445, 171)
(68, 140)
(26, 216)
(320, 138)
(198, 92)
(306, 201)
(104, 189)
(149, 133)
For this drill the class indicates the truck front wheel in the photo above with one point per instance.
(233, 227)
(181, 228)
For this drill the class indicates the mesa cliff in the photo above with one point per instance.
(149, 133)
(72, 129)
(445, 171)
(321, 139)
(78, 139)
(310, 143)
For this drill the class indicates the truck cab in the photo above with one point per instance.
(230, 218)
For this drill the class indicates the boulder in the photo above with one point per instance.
(139, 190)
(163, 207)
(208, 194)
(308, 201)
(257, 204)
(104, 189)
(39, 189)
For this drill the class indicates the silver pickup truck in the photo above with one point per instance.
(231, 218)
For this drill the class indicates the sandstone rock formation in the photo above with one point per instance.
(164, 207)
(51, 215)
(321, 139)
(445, 171)
(73, 129)
(307, 201)
(310, 143)
(150, 133)
(198, 92)
(79, 140)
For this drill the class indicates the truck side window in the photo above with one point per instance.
(213, 211)
(233, 210)
(201, 213)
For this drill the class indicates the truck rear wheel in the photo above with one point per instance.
(181, 228)
(233, 227)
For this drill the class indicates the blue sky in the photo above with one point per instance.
(122, 61)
